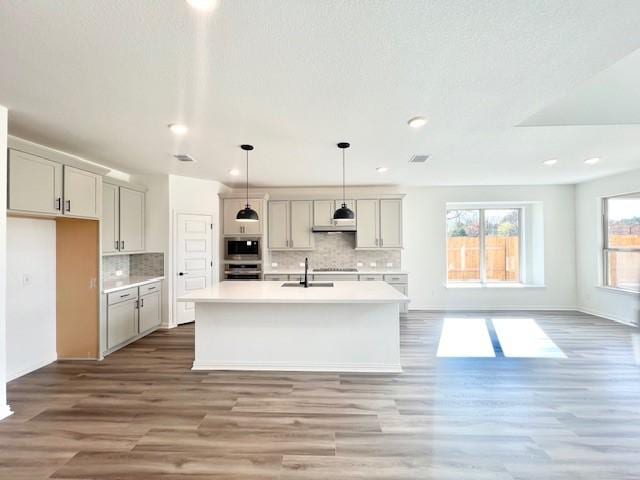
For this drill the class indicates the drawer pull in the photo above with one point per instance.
(150, 288)
(125, 295)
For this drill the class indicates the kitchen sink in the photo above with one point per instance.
(311, 284)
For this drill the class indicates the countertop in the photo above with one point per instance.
(120, 283)
(273, 292)
(359, 272)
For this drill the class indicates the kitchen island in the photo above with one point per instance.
(341, 327)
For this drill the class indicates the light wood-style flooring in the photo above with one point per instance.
(142, 414)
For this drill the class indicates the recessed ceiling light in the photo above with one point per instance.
(381, 169)
(203, 5)
(178, 128)
(592, 161)
(234, 172)
(552, 161)
(417, 122)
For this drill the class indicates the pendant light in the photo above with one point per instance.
(343, 214)
(247, 214)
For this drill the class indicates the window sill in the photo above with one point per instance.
(619, 291)
(492, 285)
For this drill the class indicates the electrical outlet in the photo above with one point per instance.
(389, 264)
(301, 264)
(373, 264)
(27, 279)
(359, 264)
(274, 264)
(119, 273)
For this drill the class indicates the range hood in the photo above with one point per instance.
(334, 228)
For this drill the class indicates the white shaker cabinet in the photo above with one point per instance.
(323, 213)
(150, 313)
(81, 193)
(131, 220)
(368, 224)
(301, 224)
(279, 224)
(110, 218)
(379, 223)
(231, 207)
(35, 184)
(122, 322)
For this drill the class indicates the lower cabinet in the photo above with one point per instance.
(132, 312)
(150, 311)
(122, 322)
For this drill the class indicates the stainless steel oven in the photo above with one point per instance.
(238, 248)
(243, 271)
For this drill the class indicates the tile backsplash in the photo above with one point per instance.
(147, 264)
(336, 250)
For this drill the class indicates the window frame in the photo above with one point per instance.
(605, 242)
(483, 273)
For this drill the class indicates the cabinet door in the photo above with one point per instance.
(81, 191)
(323, 213)
(391, 223)
(403, 289)
(110, 213)
(351, 204)
(279, 224)
(121, 322)
(301, 223)
(231, 206)
(150, 311)
(131, 220)
(368, 225)
(34, 183)
(253, 228)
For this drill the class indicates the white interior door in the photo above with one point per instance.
(193, 260)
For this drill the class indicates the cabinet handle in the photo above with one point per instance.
(137, 303)
(291, 243)
(125, 295)
(381, 242)
(68, 205)
(117, 245)
(151, 288)
(142, 303)
(121, 244)
(59, 203)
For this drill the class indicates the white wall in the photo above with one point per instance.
(31, 295)
(425, 249)
(592, 298)
(4, 408)
(194, 195)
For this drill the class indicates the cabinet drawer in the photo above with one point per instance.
(150, 288)
(334, 277)
(396, 278)
(122, 295)
(296, 277)
(371, 278)
(272, 277)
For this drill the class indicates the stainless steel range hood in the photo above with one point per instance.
(334, 228)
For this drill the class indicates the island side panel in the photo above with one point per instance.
(297, 337)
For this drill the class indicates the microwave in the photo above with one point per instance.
(242, 249)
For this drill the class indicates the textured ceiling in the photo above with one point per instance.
(102, 79)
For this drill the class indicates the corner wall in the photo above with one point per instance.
(592, 298)
(4, 408)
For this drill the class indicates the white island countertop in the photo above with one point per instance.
(274, 292)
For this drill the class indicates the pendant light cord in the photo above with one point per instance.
(344, 201)
(247, 184)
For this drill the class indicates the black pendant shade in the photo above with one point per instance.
(343, 213)
(247, 214)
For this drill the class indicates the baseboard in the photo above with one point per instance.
(29, 369)
(501, 308)
(607, 316)
(5, 411)
(302, 367)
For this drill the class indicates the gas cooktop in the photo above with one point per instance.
(332, 269)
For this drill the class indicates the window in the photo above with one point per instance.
(483, 245)
(622, 242)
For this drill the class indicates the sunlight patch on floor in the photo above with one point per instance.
(465, 337)
(523, 337)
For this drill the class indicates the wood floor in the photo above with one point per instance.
(142, 414)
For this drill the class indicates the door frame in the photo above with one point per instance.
(174, 256)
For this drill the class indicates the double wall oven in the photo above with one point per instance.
(243, 258)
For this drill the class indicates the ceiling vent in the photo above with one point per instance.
(419, 159)
(183, 157)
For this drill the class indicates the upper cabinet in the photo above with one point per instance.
(122, 219)
(290, 223)
(42, 186)
(323, 211)
(231, 226)
(379, 223)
